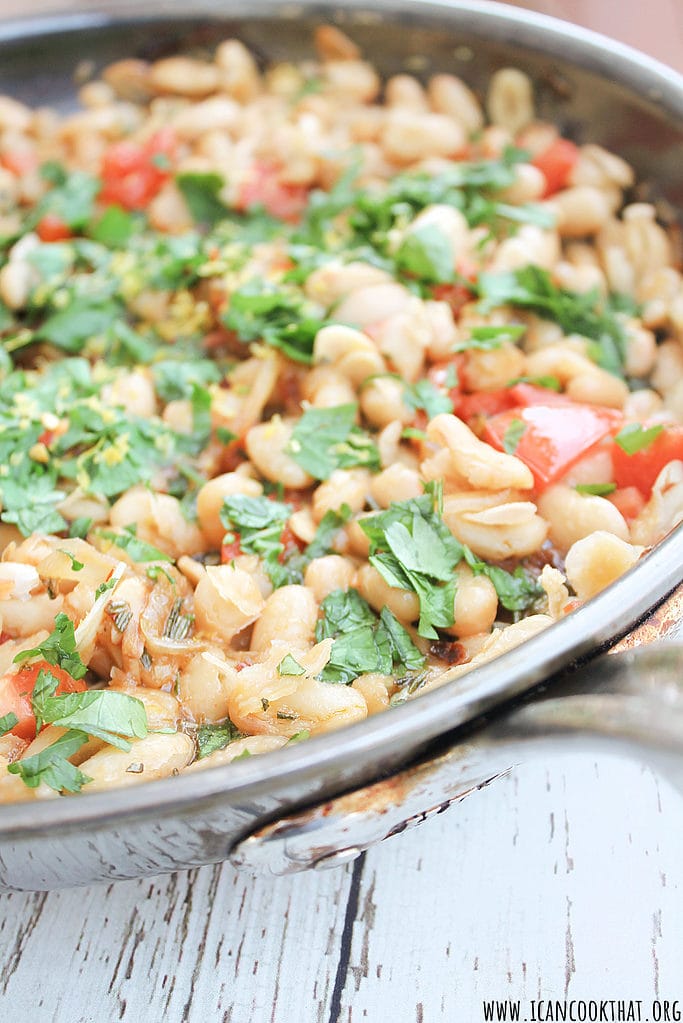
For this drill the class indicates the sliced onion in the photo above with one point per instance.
(86, 633)
(97, 567)
(17, 580)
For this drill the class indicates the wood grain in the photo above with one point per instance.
(560, 880)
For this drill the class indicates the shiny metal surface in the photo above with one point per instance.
(596, 90)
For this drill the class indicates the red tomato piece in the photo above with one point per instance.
(16, 689)
(556, 164)
(263, 188)
(230, 551)
(628, 500)
(51, 228)
(483, 403)
(455, 295)
(291, 543)
(133, 173)
(642, 468)
(555, 436)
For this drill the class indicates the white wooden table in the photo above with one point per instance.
(561, 880)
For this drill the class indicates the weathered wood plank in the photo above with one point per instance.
(563, 878)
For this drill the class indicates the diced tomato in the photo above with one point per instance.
(642, 468)
(483, 403)
(531, 394)
(628, 500)
(133, 173)
(555, 436)
(16, 689)
(440, 373)
(291, 543)
(264, 188)
(556, 163)
(456, 295)
(51, 228)
(230, 551)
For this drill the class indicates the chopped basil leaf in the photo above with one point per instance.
(103, 587)
(326, 533)
(51, 765)
(363, 642)
(325, 439)
(411, 433)
(80, 527)
(299, 736)
(71, 199)
(201, 192)
(114, 228)
(7, 722)
(489, 338)
(211, 738)
(258, 522)
(127, 540)
(587, 314)
(102, 713)
(634, 437)
(290, 666)
(59, 648)
(595, 489)
(76, 565)
(426, 253)
(282, 319)
(82, 319)
(424, 395)
(551, 383)
(513, 435)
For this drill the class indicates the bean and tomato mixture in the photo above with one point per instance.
(316, 392)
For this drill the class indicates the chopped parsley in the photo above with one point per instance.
(8, 722)
(102, 713)
(412, 548)
(52, 766)
(633, 437)
(489, 338)
(280, 317)
(214, 737)
(513, 435)
(325, 439)
(127, 540)
(363, 642)
(595, 489)
(290, 666)
(201, 192)
(424, 395)
(427, 254)
(59, 649)
(586, 314)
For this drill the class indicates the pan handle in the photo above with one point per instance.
(629, 702)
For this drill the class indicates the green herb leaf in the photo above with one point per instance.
(80, 527)
(633, 437)
(513, 435)
(83, 318)
(52, 767)
(595, 489)
(551, 383)
(104, 714)
(76, 565)
(326, 533)
(290, 666)
(587, 314)
(424, 395)
(201, 192)
(137, 550)
(280, 318)
(426, 253)
(211, 738)
(299, 736)
(325, 439)
(114, 228)
(489, 338)
(7, 723)
(59, 648)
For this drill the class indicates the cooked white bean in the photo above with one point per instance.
(449, 95)
(156, 756)
(267, 446)
(476, 461)
(345, 486)
(495, 526)
(402, 603)
(202, 691)
(597, 560)
(331, 572)
(573, 516)
(510, 101)
(289, 616)
(476, 603)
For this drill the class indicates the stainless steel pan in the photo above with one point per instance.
(321, 802)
